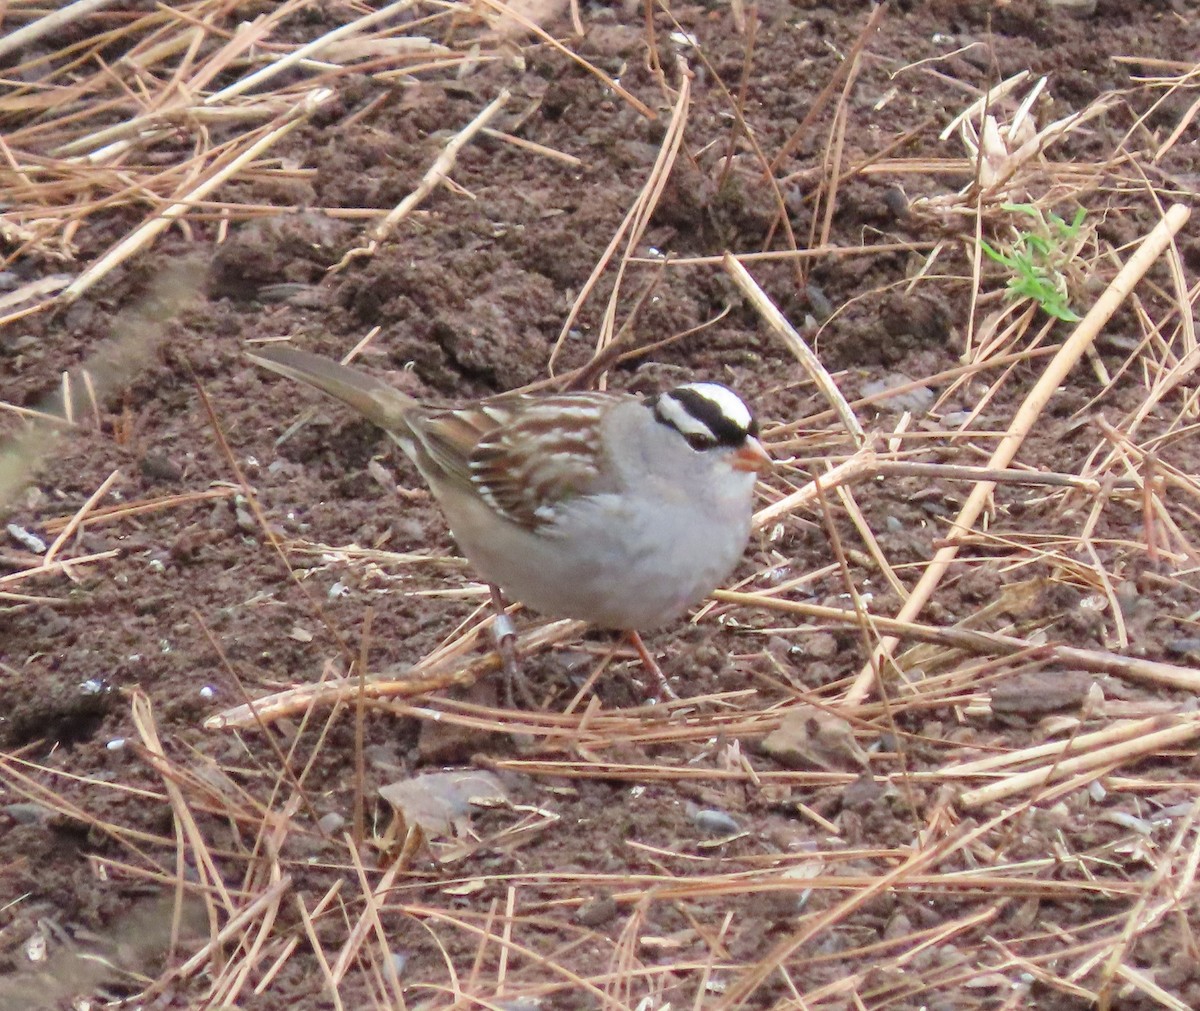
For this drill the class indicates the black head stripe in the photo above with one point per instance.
(704, 418)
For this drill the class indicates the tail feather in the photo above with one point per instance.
(372, 398)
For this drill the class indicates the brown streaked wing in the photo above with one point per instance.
(544, 453)
(447, 438)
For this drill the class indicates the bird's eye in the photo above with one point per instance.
(698, 441)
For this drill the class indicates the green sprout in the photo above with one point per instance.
(1040, 258)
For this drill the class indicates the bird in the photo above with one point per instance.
(608, 507)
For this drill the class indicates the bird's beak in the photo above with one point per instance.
(752, 457)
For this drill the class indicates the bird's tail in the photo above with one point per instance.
(374, 399)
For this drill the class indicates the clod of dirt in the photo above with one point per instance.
(133, 947)
(922, 319)
(442, 743)
(297, 249)
(158, 468)
(596, 912)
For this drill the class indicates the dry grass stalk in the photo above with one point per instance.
(843, 69)
(742, 130)
(507, 11)
(24, 779)
(186, 828)
(421, 679)
(78, 519)
(1097, 661)
(1140, 919)
(1121, 731)
(811, 253)
(438, 173)
(368, 922)
(126, 510)
(56, 567)
(49, 24)
(750, 981)
(264, 905)
(1150, 741)
(141, 237)
(633, 225)
(73, 171)
(1149, 250)
(796, 344)
(1004, 157)
(859, 466)
(540, 149)
(973, 864)
(307, 51)
(592, 732)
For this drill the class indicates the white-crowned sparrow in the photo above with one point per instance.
(598, 506)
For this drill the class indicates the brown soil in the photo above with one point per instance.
(196, 611)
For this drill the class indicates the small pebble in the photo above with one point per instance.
(596, 913)
(916, 399)
(29, 541)
(35, 947)
(246, 522)
(896, 202)
(714, 822)
(331, 822)
(27, 813)
(157, 467)
(1135, 824)
(821, 306)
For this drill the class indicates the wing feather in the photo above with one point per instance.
(524, 455)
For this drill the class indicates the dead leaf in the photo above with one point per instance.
(809, 736)
(442, 802)
(510, 20)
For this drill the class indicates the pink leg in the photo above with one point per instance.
(652, 667)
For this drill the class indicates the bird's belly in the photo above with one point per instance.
(622, 573)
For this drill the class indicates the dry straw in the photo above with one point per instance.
(201, 101)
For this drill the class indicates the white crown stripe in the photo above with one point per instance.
(679, 417)
(727, 403)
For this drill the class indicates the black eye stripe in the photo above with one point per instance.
(722, 429)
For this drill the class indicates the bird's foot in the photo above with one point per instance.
(504, 635)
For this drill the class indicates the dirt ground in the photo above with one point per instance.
(642, 856)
